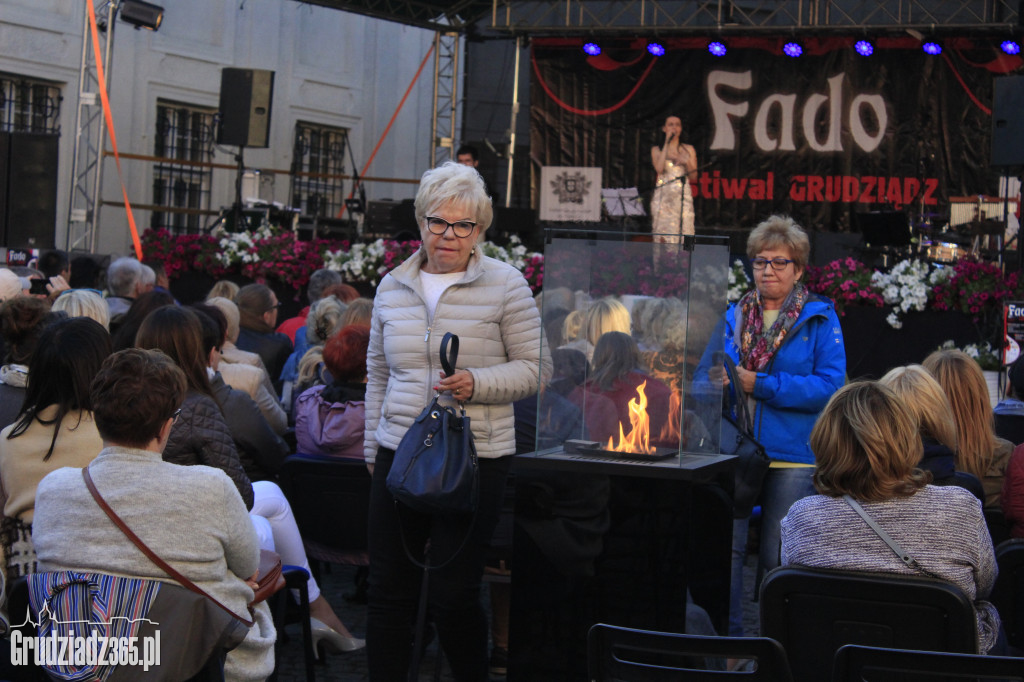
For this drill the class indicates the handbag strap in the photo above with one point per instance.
(742, 404)
(137, 541)
(904, 556)
(449, 357)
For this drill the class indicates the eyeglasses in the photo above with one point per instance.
(177, 413)
(460, 228)
(777, 263)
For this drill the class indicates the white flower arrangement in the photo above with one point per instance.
(908, 286)
(987, 357)
(239, 247)
(739, 282)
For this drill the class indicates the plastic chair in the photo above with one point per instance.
(617, 653)
(855, 663)
(330, 498)
(1008, 594)
(813, 612)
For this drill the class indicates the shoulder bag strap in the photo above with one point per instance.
(742, 403)
(910, 561)
(185, 582)
(449, 357)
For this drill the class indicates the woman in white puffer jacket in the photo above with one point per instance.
(446, 286)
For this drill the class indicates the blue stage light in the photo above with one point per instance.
(792, 49)
(864, 48)
(657, 49)
(592, 49)
(932, 48)
(716, 48)
(1010, 47)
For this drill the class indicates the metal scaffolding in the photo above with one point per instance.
(681, 17)
(90, 129)
(446, 71)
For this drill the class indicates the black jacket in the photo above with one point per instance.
(200, 436)
(274, 349)
(260, 449)
(939, 460)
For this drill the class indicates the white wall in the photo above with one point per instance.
(332, 68)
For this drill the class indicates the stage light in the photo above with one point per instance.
(932, 48)
(864, 48)
(1010, 47)
(142, 14)
(792, 49)
(592, 49)
(657, 49)
(716, 48)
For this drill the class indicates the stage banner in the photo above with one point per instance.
(570, 194)
(820, 137)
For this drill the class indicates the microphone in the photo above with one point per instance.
(671, 136)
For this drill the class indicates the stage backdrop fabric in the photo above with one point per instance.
(819, 137)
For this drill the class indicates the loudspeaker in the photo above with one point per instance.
(28, 190)
(1008, 121)
(246, 98)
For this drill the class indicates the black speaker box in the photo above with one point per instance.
(246, 99)
(28, 190)
(1008, 121)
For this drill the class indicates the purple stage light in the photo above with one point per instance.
(932, 48)
(716, 48)
(792, 49)
(592, 49)
(1010, 47)
(864, 48)
(657, 49)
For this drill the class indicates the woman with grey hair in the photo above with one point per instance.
(788, 348)
(446, 286)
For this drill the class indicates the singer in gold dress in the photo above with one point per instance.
(675, 162)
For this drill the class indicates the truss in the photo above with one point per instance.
(591, 17)
(446, 71)
(565, 17)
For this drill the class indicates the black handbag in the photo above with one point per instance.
(435, 466)
(752, 461)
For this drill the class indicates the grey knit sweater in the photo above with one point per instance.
(942, 527)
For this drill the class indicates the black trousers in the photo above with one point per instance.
(454, 590)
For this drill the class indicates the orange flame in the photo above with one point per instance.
(639, 439)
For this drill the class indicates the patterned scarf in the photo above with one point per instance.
(758, 346)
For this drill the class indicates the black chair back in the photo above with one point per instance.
(330, 498)
(1010, 427)
(1008, 594)
(813, 612)
(856, 663)
(617, 653)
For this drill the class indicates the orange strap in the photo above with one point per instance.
(102, 80)
(386, 129)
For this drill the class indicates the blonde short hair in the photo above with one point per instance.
(606, 315)
(866, 444)
(454, 183)
(84, 303)
(230, 310)
(920, 392)
(964, 385)
(780, 232)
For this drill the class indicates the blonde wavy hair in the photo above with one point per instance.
(866, 445)
(606, 315)
(964, 385)
(919, 391)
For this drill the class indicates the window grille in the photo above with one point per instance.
(29, 106)
(318, 163)
(185, 138)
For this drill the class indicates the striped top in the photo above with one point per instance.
(942, 527)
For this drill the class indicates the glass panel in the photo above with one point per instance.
(185, 134)
(629, 323)
(318, 164)
(29, 106)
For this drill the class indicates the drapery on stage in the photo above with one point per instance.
(819, 137)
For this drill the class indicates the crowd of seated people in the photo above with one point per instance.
(230, 416)
(53, 352)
